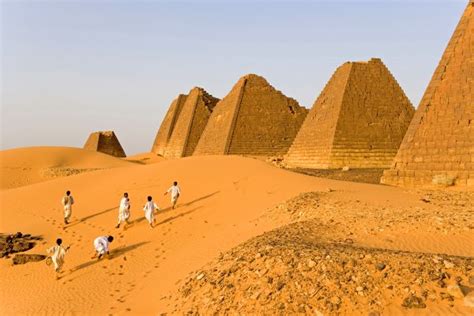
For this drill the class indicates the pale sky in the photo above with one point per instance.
(72, 67)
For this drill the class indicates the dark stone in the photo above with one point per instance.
(23, 258)
(380, 266)
(413, 301)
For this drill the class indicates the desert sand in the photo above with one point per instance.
(241, 217)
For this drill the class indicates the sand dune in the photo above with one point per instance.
(24, 166)
(226, 200)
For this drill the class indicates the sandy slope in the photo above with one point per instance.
(224, 203)
(145, 158)
(28, 165)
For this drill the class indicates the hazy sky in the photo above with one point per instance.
(73, 67)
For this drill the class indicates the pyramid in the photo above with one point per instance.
(105, 142)
(184, 123)
(358, 120)
(167, 126)
(439, 144)
(253, 119)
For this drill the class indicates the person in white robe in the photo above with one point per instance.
(124, 210)
(58, 253)
(67, 202)
(175, 192)
(149, 209)
(101, 245)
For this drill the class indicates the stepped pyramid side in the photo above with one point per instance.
(105, 142)
(215, 137)
(312, 145)
(190, 124)
(373, 119)
(167, 126)
(439, 143)
(253, 119)
(358, 121)
(266, 122)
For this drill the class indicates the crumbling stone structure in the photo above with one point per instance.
(184, 123)
(438, 147)
(105, 142)
(254, 119)
(358, 120)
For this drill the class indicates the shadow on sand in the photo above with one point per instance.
(82, 220)
(114, 253)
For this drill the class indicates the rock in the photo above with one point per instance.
(448, 265)
(335, 300)
(311, 263)
(24, 258)
(346, 168)
(280, 285)
(471, 280)
(469, 300)
(455, 291)
(374, 313)
(380, 266)
(200, 276)
(413, 301)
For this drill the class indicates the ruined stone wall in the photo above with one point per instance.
(312, 145)
(440, 140)
(266, 120)
(204, 107)
(190, 124)
(214, 139)
(167, 126)
(105, 142)
(373, 119)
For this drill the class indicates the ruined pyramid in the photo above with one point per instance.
(438, 147)
(253, 119)
(184, 123)
(358, 120)
(105, 142)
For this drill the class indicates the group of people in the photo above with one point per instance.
(101, 243)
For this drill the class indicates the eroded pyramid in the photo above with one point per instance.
(184, 123)
(439, 144)
(105, 142)
(253, 119)
(358, 120)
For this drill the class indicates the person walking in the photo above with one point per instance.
(67, 202)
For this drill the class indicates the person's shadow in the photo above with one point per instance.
(114, 253)
(169, 209)
(82, 220)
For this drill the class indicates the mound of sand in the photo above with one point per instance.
(24, 166)
(145, 158)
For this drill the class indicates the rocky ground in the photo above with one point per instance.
(13, 244)
(321, 264)
(355, 175)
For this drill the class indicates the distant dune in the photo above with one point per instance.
(24, 166)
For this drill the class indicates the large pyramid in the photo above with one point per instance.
(253, 119)
(439, 143)
(105, 142)
(184, 123)
(358, 120)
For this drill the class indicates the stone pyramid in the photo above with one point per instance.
(438, 147)
(253, 119)
(167, 126)
(358, 120)
(105, 142)
(184, 123)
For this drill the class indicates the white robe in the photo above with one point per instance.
(175, 193)
(101, 245)
(58, 256)
(124, 209)
(67, 202)
(149, 209)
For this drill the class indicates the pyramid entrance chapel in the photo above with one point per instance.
(254, 119)
(105, 142)
(184, 123)
(358, 120)
(440, 140)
